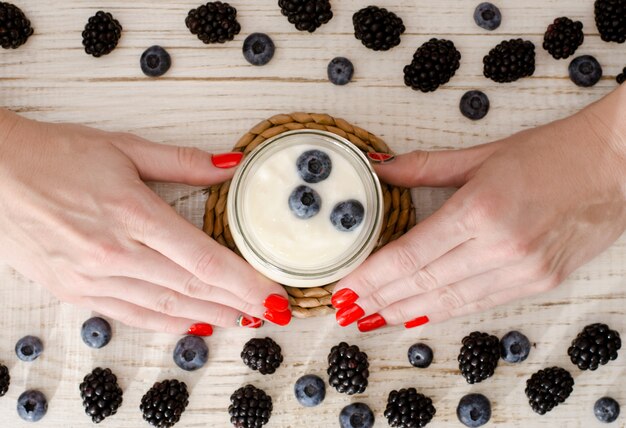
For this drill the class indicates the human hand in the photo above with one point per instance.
(77, 218)
(530, 210)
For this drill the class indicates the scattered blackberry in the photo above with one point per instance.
(258, 49)
(5, 379)
(306, 15)
(155, 61)
(356, 415)
(101, 34)
(15, 28)
(214, 22)
(474, 410)
(510, 60)
(408, 409)
(250, 407)
(611, 20)
(606, 410)
(420, 355)
(563, 37)
(596, 345)
(547, 388)
(514, 347)
(621, 78)
(263, 355)
(487, 16)
(434, 64)
(101, 394)
(32, 405)
(479, 356)
(340, 71)
(348, 369)
(585, 71)
(163, 404)
(377, 28)
(474, 105)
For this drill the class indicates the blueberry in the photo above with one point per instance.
(474, 105)
(32, 405)
(606, 410)
(28, 348)
(191, 353)
(314, 166)
(258, 49)
(474, 410)
(155, 61)
(348, 215)
(420, 355)
(585, 71)
(487, 16)
(310, 390)
(305, 202)
(96, 332)
(340, 71)
(356, 415)
(514, 347)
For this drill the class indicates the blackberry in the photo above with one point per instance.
(596, 345)
(509, 61)
(563, 37)
(263, 355)
(15, 28)
(547, 388)
(377, 28)
(101, 35)
(306, 15)
(101, 394)
(5, 379)
(621, 78)
(163, 404)
(408, 409)
(434, 64)
(479, 356)
(214, 22)
(611, 20)
(348, 369)
(250, 407)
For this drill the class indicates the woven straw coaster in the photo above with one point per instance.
(399, 210)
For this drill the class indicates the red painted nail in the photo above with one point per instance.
(344, 297)
(227, 160)
(280, 318)
(380, 157)
(200, 329)
(371, 322)
(347, 316)
(416, 322)
(249, 322)
(276, 303)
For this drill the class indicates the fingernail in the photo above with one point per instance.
(343, 298)
(371, 322)
(227, 160)
(276, 303)
(381, 157)
(280, 318)
(249, 322)
(200, 329)
(416, 322)
(347, 316)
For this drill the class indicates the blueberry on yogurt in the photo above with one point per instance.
(305, 202)
(314, 166)
(348, 215)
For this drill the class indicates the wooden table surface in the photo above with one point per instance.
(209, 98)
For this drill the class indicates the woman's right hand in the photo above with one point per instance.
(77, 218)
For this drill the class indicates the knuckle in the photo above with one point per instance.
(379, 300)
(131, 318)
(195, 288)
(206, 264)
(515, 249)
(219, 316)
(167, 303)
(553, 281)
(542, 270)
(450, 299)
(406, 259)
(104, 254)
(134, 213)
(401, 315)
(424, 280)
(480, 210)
(188, 156)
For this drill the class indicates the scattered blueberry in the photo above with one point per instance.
(305, 202)
(585, 71)
(474, 105)
(28, 348)
(32, 405)
(514, 347)
(191, 353)
(487, 16)
(356, 415)
(155, 61)
(96, 332)
(606, 410)
(314, 166)
(340, 71)
(310, 390)
(474, 410)
(258, 49)
(348, 215)
(420, 355)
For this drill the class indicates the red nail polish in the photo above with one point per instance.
(344, 297)
(380, 157)
(276, 303)
(347, 316)
(249, 322)
(200, 329)
(227, 160)
(416, 322)
(371, 322)
(280, 318)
